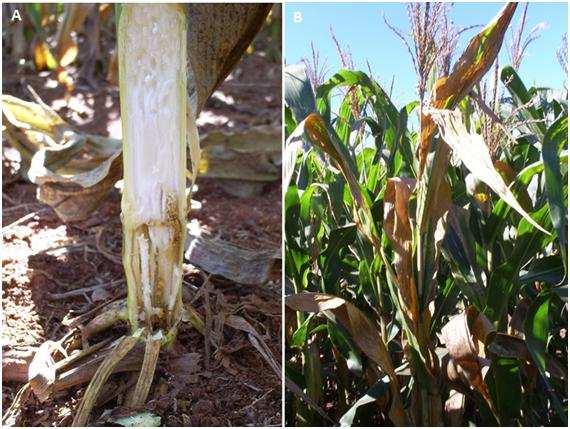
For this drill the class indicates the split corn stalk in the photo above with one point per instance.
(156, 124)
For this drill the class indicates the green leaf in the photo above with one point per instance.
(380, 389)
(503, 279)
(556, 135)
(504, 382)
(299, 337)
(523, 100)
(548, 269)
(379, 99)
(536, 329)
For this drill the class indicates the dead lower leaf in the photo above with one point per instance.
(235, 263)
(43, 58)
(362, 331)
(255, 338)
(398, 228)
(464, 336)
(74, 171)
(185, 368)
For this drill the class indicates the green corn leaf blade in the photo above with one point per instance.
(536, 330)
(331, 259)
(299, 338)
(345, 121)
(504, 382)
(556, 135)
(290, 123)
(562, 292)
(403, 146)
(522, 97)
(501, 210)
(347, 78)
(503, 280)
(548, 269)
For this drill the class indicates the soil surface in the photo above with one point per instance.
(42, 257)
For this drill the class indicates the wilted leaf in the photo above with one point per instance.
(398, 228)
(474, 154)
(464, 337)
(362, 331)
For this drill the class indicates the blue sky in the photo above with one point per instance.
(360, 26)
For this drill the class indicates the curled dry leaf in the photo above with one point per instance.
(362, 331)
(464, 336)
(73, 171)
(474, 153)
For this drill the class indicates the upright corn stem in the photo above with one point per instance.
(152, 75)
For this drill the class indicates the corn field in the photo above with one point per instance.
(426, 272)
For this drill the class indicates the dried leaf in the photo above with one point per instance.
(223, 258)
(362, 331)
(398, 228)
(238, 322)
(474, 153)
(464, 337)
(74, 171)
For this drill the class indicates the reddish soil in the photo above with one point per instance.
(42, 256)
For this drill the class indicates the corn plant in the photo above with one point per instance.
(426, 280)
